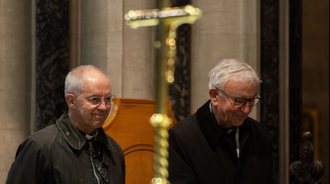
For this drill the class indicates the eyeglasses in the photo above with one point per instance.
(96, 100)
(240, 102)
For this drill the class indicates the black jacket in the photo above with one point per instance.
(59, 154)
(200, 152)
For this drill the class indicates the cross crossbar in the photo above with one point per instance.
(150, 17)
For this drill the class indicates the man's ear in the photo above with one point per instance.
(70, 100)
(214, 96)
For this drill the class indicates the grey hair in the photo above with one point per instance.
(227, 68)
(73, 81)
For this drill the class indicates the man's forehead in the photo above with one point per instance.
(241, 89)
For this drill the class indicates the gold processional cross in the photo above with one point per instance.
(167, 19)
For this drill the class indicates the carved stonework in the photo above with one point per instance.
(306, 170)
(52, 54)
(269, 71)
(179, 91)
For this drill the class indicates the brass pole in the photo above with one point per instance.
(160, 120)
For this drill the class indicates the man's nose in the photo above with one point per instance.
(102, 105)
(246, 108)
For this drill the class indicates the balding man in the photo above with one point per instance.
(75, 149)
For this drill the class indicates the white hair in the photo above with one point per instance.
(228, 68)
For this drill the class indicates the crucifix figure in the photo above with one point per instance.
(167, 19)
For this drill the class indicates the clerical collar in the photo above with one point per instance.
(89, 137)
(210, 106)
(230, 130)
(236, 130)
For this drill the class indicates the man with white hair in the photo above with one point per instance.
(220, 143)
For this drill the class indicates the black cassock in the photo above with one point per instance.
(201, 152)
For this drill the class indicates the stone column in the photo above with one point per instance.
(139, 56)
(228, 29)
(15, 78)
(94, 33)
(179, 91)
(125, 54)
(52, 60)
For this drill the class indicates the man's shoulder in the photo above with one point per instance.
(186, 123)
(44, 134)
(40, 139)
(254, 124)
(257, 128)
(186, 129)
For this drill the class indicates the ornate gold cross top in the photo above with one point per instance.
(167, 20)
(150, 17)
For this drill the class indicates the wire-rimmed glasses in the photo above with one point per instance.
(97, 100)
(240, 102)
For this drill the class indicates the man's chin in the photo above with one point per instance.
(99, 123)
(239, 122)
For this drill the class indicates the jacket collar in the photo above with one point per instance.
(210, 127)
(74, 138)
